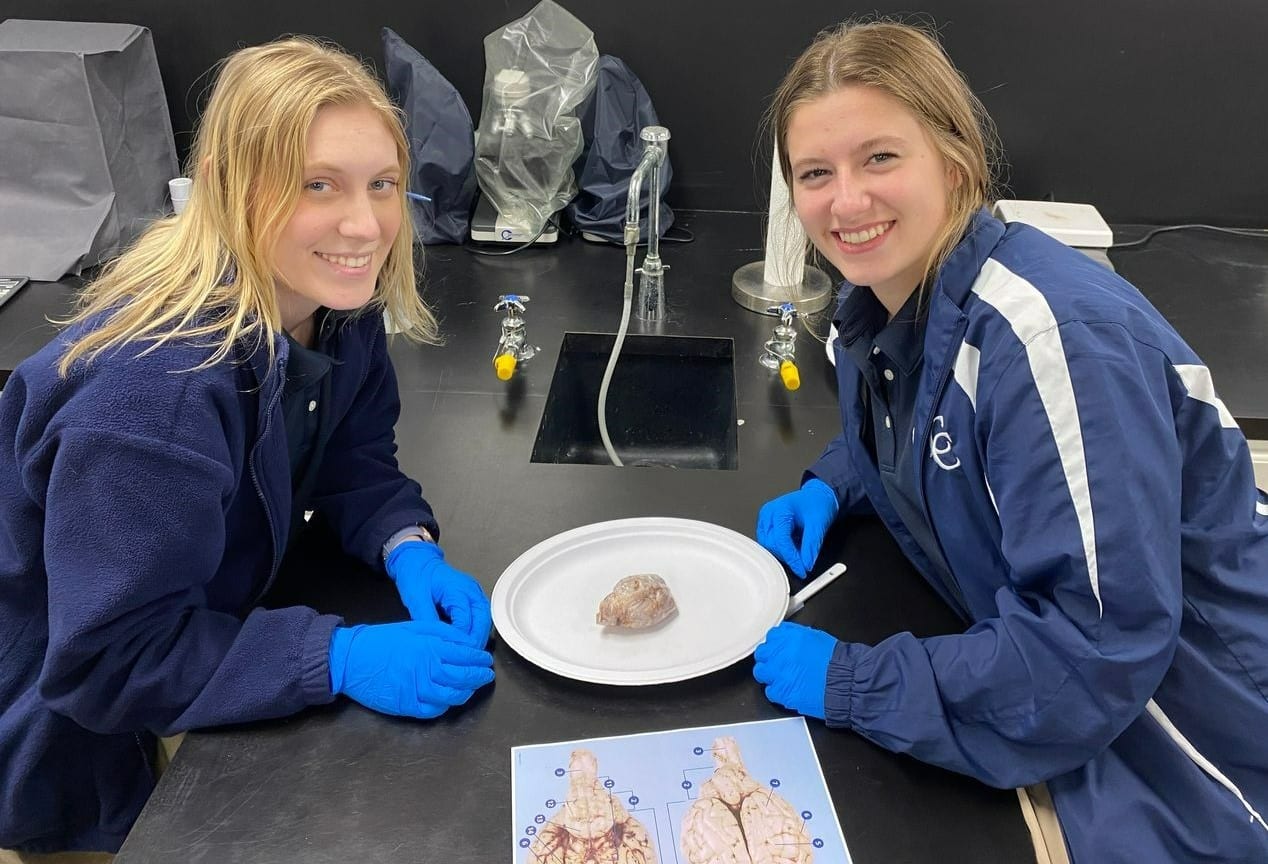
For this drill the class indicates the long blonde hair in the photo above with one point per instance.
(208, 275)
(909, 64)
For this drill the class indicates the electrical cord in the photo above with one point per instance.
(1241, 232)
(683, 235)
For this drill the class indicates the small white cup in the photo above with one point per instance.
(179, 188)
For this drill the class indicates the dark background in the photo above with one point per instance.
(1155, 111)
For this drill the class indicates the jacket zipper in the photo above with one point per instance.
(259, 489)
(145, 755)
(943, 375)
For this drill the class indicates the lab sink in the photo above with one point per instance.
(671, 403)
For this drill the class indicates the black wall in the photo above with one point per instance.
(1153, 110)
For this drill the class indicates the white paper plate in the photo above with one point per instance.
(728, 589)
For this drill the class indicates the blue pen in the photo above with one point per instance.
(416, 196)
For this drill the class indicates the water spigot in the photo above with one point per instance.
(780, 351)
(513, 348)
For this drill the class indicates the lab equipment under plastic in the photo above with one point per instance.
(538, 70)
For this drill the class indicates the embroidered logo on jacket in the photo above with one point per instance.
(940, 445)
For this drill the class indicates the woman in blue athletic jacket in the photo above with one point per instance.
(227, 373)
(1053, 458)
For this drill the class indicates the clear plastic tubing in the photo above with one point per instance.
(651, 157)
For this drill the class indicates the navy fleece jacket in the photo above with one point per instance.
(143, 512)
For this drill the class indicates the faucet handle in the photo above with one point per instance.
(654, 134)
(786, 312)
(511, 301)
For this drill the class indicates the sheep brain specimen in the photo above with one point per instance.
(737, 820)
(591, 827)
(635, 602)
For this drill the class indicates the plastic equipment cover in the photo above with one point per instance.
(538, 69)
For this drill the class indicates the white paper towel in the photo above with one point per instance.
(785, 238)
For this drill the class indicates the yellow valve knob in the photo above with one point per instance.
(504, 366)
(788, 372)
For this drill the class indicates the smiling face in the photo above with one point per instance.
(347, 217)
(869, 187)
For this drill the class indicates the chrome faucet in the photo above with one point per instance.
(513, 347)
(651, 285)
(780, 351)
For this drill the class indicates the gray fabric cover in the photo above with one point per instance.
(88, 146)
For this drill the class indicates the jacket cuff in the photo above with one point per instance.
(835, 480)
(315, 671)
(838, 696)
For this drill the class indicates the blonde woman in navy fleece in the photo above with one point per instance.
(1051, 456)
(227, 373)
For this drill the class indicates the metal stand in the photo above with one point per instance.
(753, 292)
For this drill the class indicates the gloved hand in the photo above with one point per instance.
(793, 664)
(408, 668)
(793, 526)
(425, 581)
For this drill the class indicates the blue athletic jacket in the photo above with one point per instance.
(1096, 505)
(143, 512)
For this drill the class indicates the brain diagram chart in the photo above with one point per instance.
(745, 793)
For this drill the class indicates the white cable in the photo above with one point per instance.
(1242, 232)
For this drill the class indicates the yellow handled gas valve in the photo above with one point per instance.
(779, 350)
(513, 348)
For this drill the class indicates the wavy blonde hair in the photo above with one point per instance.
(207, 276)
(909, 64)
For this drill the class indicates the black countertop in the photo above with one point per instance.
(1213, 288)
(341, 783)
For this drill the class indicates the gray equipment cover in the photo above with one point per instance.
(88, 146)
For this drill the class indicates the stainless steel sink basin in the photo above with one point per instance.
(671, 403)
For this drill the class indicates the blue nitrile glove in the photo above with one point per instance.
(425, 581)
(793, 526)
(407, 668)
(793, 664)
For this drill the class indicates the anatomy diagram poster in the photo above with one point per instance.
(738, 793)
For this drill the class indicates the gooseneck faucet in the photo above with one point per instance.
(651, 285)
(651, 291)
